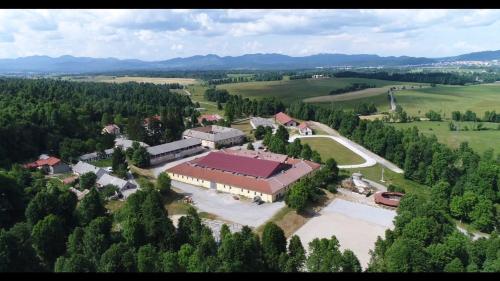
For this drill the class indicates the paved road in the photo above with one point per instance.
(391, 166)
(223, 205)
(369, 161)
(187, 92)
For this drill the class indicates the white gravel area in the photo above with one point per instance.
(355, 225)
(223, 205)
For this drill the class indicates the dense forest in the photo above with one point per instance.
(64, 118)
(351, 88)
(467, 183)
(237, 106)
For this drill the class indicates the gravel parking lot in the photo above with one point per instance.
(226, 207)
(355, 225)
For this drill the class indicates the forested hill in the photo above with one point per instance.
(58, 117)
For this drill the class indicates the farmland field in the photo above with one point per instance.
(443, 99)
(292, 90)
(478, 140)
(138, 79)
(329, 148)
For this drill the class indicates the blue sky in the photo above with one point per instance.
(164, 34)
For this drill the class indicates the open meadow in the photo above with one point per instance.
(293, 90)
(478, 140)
(329, 148)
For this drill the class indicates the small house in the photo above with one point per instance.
(304, 129)
(285, 120)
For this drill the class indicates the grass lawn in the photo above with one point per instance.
(103, 162)
(445, 99)
(114, 205)
(292, 90)
(374, 173)
(478, 140)
(244, 126)
(329, 148)
(197, 92)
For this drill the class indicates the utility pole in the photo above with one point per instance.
(382, 179)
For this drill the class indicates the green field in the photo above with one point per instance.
(478, 140)
(197, 92)
(292, 90)
(443, 99)
(329, 148)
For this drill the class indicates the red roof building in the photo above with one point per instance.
(304, 129)
(285, 120)
(242, 173)
(51, 161)
(209, 117)
(49, 164)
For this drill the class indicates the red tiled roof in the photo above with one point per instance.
(210, 117)
(240, 164)
(282, 118)
(303, 125)
(271, 185)
(51, 161)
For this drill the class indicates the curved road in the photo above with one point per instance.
(389, 165)
(369, 161)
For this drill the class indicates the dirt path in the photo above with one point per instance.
(393, 103)
(372, 155)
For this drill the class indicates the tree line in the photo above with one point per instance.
(351, 88)
(419, 77)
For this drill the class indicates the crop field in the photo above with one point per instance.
(478, 140)
(292, 90)
(124, 79)
(445, 99)
(329, 148)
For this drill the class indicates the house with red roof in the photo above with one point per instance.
(209, 118)
(304, 129)
(252, 174)
(285, 120)
(49, 164)
(111, 129)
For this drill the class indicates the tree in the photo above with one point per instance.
(315, 157)
(483, 214)
(16, 250)
(90, 207)
(277, 145)
(350, 262)
(297, 255)
(106, 119)
(148, 259)
(294, 149)
(306, 152)
(88, 180)
(12, 202)
(273, 244)
(406, 255)
(282, 134)
(73, 263)
(297, 196)
(118, 158)
(141, 157)
(250, 146)
(118, 258)
(163, 183)
(324, 255)
(49, 237)
(259, 132)
(169, 262)
(158, 228)
(454, 266)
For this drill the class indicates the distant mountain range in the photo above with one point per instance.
(70, 64)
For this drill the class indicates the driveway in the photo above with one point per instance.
(369, 161)
(355, 225)
(223, 205)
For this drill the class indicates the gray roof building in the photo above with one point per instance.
(264, 122)
(120, 183)
(213, 133)
(173, 146)
(126, 143)
(82, 168)
(93, 156)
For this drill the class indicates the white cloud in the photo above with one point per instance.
(161, 34)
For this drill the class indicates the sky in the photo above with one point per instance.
(163, 34)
